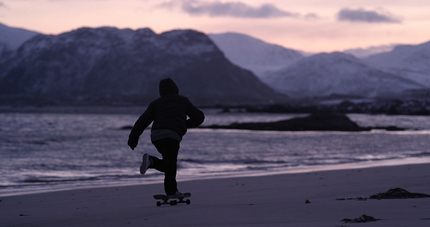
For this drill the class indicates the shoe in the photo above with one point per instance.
(177, 194)
(145, 164)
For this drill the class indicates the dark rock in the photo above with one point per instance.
(361, 219)
(398, 193)
(314, 122)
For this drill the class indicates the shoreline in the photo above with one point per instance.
(270, 200)
(293, 170)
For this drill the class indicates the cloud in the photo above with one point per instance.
(2, 5)
(361, 15)
(228, 9)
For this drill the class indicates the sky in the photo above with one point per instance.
(306, 25)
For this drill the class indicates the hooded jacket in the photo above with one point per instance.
(170, 112)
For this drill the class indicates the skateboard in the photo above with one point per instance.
(172, 200)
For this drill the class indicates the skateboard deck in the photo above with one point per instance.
(172, 200)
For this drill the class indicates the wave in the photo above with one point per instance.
(233, 161)
(58, 180)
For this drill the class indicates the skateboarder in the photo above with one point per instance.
(169, 116)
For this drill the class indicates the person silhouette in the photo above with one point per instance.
(171, 115)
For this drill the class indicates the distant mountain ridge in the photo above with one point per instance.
(332, 75)
(366, 52)
(409, 61)
(11, 38)
(391, 74)
(110, 65)
(254, 54)
(105, 65)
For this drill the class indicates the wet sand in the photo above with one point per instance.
(298, 199)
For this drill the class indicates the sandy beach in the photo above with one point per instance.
(275, 200)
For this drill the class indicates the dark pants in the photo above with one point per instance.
(168, 148)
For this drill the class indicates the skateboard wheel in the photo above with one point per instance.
(158, 204)
(173, 202)
(188, 201)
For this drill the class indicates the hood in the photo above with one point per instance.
(168, 87)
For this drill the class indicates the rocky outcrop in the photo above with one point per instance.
(314, 122)
(398, 193)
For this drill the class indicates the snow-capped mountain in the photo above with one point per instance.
(408, 61)
(253, 54)
(389, 71)
(337, 75)
(108, 65)
(366, 52)
(11, 38)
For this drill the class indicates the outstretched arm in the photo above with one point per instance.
(141, 124)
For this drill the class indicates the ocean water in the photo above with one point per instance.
(51, 150)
